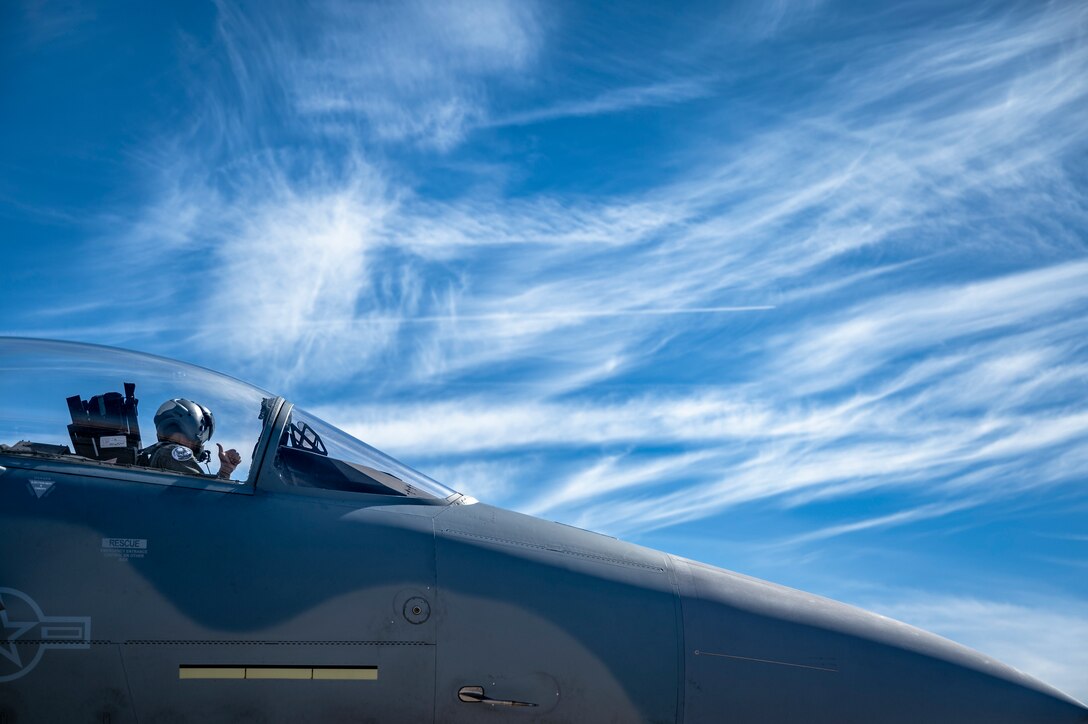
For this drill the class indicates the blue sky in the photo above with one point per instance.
(799, 289)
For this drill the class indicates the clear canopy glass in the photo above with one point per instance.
(44, 383)
(313, 453)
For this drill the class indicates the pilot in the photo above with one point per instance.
(183, 427)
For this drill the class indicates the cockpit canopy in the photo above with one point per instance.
(95, 405)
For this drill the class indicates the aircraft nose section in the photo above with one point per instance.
(757, 652)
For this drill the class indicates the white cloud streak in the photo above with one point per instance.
(612, 101)
(772, 439)
(922, 512)
(957, 361)
(413, 71)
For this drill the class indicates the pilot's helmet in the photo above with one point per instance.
(191, 419)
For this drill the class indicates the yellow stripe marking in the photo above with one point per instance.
(211, 672)
(365, 673)
(299, 673)
(279, 673)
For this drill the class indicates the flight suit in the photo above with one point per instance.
(170, 456)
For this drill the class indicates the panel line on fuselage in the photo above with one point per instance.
(766, 661)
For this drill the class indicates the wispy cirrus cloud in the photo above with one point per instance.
(414, 71)
(875, 176)
(917, 316)
(959, 420)
(898, 325)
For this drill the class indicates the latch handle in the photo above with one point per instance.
(476, 695)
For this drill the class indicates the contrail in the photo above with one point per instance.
(206, 328)
(572, 314)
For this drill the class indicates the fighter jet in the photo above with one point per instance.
(322, 581)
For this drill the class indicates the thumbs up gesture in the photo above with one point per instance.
(228, 461)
